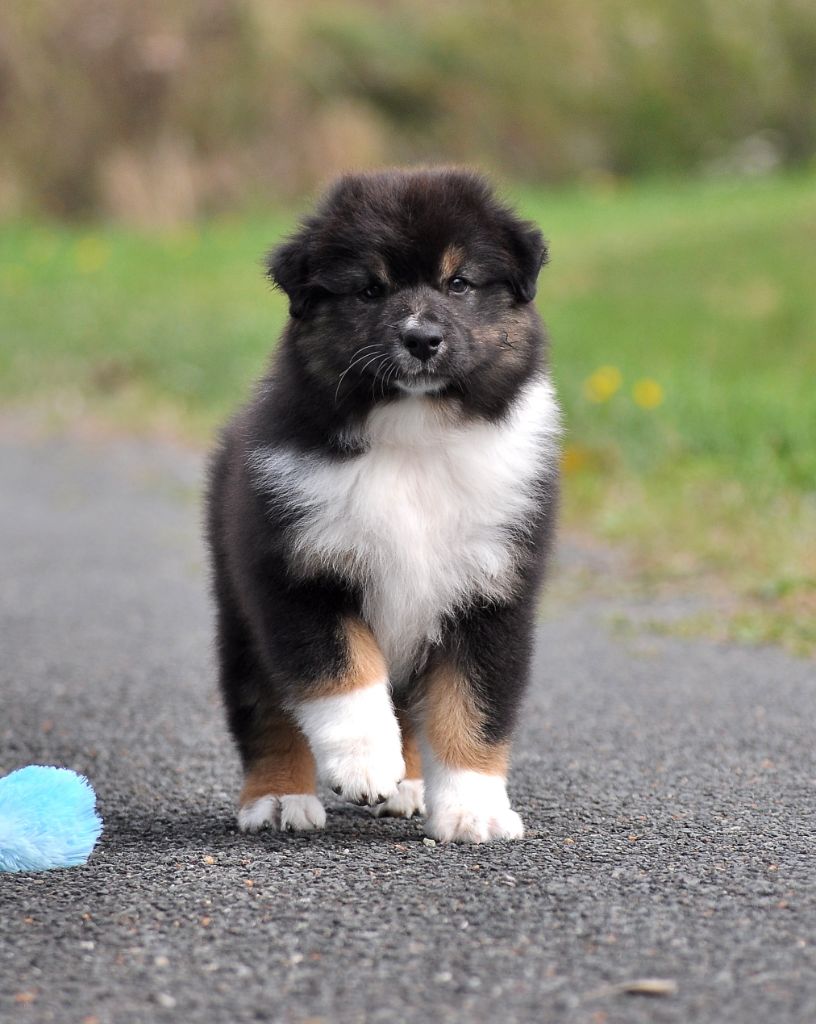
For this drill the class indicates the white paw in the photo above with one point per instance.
(291, 813)
(408, 800)
(466, 806)
(356, 743)
(467, 826)
(261, 813)
(301, 812)
(368, 775)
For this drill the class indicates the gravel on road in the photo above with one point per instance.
(668, 786)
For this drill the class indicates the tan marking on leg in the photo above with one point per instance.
(454, 725)
(410, 747)
(285, 766)
(365, 664)
(451, 261)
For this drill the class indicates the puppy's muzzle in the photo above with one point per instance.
(423, 341)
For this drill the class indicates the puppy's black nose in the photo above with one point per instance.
(422, 342)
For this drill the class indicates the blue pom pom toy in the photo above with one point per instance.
(48, 819)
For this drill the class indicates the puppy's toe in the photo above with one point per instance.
(261, 813)
(301, 813)
(368, 777)
(469, 826)
(408, 800)
(295, 812)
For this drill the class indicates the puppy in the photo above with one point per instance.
(380, 511)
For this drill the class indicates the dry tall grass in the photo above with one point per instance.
(160, 110)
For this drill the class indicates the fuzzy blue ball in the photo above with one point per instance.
(48, 819)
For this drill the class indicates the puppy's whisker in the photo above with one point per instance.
(385, 368)
(357, 358)
(384, 379)
(392, 374)
(362, 371)
(377, 355)
(360, 354)
(377, 374)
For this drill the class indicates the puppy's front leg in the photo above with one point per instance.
(409, 798)
(350, 724)
(471, 696)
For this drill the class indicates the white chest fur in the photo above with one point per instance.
(427, 517)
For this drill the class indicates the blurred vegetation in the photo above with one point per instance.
(683, 313)
(161, 110)
(682, 316)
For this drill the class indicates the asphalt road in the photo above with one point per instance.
(668, 787)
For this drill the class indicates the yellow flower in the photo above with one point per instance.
(603, 384)
(90, 254)
(647, 393)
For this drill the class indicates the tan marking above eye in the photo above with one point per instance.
(451, 262)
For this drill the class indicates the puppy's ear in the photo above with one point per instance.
(528, 254)
(287, 266)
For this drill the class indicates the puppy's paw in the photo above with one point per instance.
(365, 776)
(468, 826)
(469, 807)
(301, 813)
(356, 742)
(408, 800)
(298, 812)
(261, 813)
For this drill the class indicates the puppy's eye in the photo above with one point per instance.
(458, 286)
(374, 291)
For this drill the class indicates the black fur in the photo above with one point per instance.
(279, 629)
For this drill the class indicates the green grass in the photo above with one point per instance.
(706, 289)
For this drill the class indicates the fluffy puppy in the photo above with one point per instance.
(380, 511)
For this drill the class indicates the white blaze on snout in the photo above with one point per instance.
(411, 322)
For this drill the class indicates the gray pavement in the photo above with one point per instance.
(668, 787)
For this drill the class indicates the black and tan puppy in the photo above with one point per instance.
(380, 512)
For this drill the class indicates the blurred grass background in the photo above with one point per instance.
(159, 110)
(151, 152)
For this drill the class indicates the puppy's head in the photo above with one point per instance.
(413, 281)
